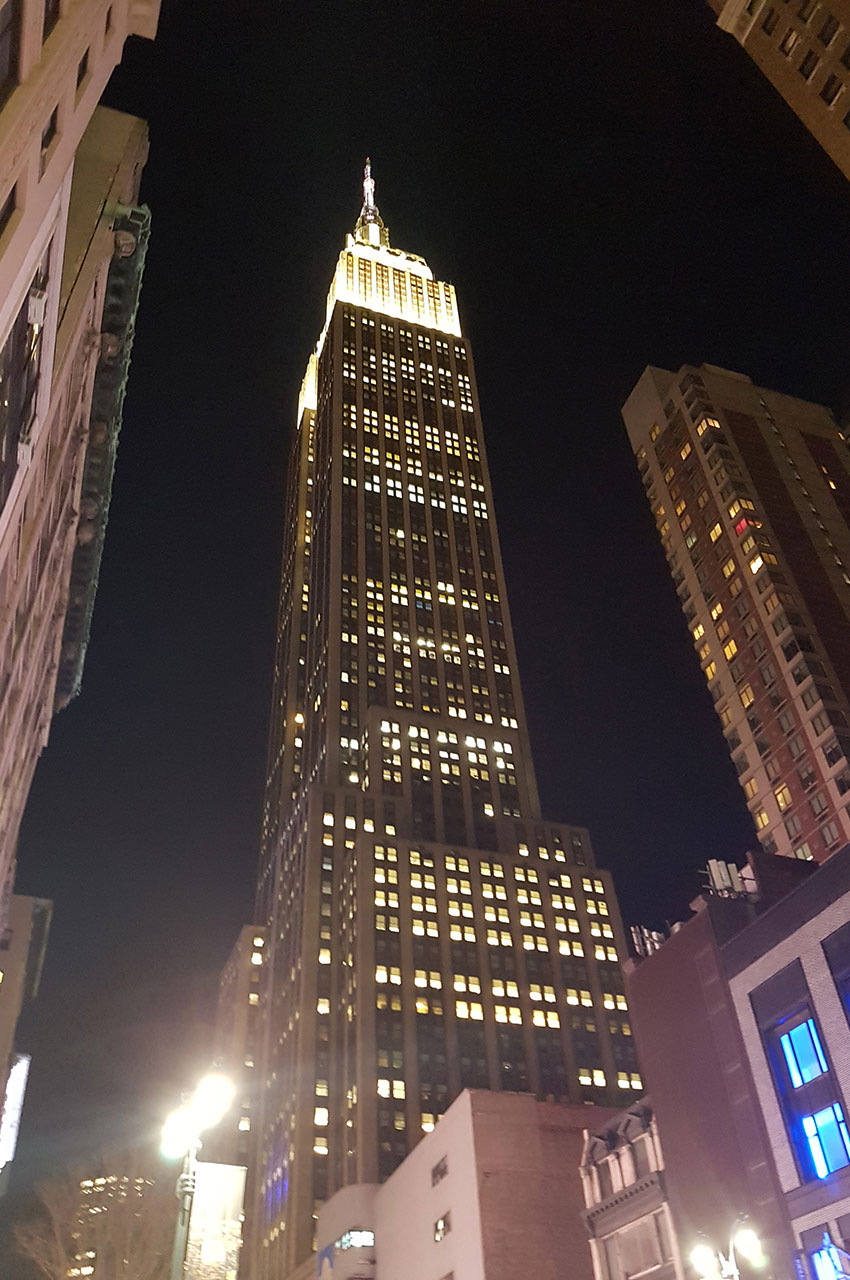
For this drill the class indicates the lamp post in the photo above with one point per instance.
(712, 1264)
(181, 1136)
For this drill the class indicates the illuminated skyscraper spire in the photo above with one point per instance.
(370, 228)
(368, 211)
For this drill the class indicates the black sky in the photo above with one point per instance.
(607, 185)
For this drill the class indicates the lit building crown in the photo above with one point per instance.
(370, 273)
(370, 227)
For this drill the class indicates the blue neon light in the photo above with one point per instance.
(803, 1053)
(828, 1140)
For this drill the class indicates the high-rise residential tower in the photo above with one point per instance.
(750, 491)
(804, 51)
(427, 930)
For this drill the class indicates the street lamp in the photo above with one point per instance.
(711, 1264)
(181, 1136)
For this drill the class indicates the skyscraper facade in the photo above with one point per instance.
(804, 51)
(427, 930)
(72, 251)
(750, 491)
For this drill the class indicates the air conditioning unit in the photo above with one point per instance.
(37, 306)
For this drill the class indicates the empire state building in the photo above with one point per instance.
(428, 931)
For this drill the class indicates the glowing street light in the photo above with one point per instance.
(711, 1264)
(704, 1260)
(211, 1101)
(748, 1245)
(181, 1137)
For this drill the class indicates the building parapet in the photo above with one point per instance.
(625, 1205)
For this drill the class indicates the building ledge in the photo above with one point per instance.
(624, 1206)
(123, 286)
(818, 1195)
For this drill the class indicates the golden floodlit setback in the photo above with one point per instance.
(427, 930)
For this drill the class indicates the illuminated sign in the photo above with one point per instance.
(215, 1225)
(13, 1105)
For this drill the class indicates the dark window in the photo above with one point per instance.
(771, 18)
(7, 208)
(788, 42)
(606, 1182)
(51, 17)
(640, 1151)
(82, 68)
(807, 775)
(20, 361)
(439, 1171)
(808, 64)
(10, 32)
(837, 951)
(806, 9)
(828, 31)
(831, 89)
(845, 58)
(48, 134)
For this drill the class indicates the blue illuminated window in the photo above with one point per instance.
(828, 1140)
(803, 1053)
(829, 1261)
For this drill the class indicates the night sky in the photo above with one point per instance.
(608, 185)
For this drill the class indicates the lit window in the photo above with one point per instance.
(442, 1227)
(828, 1141)
(827, 1260)
(803, 1053)
(783, 797)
